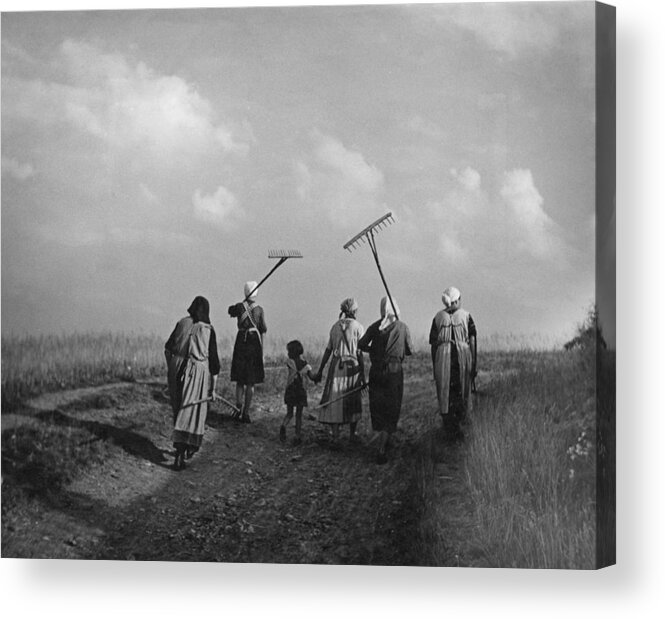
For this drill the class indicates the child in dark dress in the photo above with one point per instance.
(295, 395)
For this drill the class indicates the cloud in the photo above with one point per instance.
(338, 180)
(513, 29)
(508, 28)
(463, 203)
(451, 248)
(468, 178)
(220, 208)
(125, 104)
(19, 171)
(539, 234)
(508, 225)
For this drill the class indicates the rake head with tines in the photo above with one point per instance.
(367, 233)
(367, 236)
(283, 255)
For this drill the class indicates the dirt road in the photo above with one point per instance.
(245, 497)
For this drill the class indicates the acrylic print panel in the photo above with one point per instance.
(155, 163)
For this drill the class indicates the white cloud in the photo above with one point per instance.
(126, 104)
(512, 29)
(497, 227)
(19, 171)
(538, 233)
(303, 179)
(468, 178)
(338, 180)
(509, 28)
(220, 208)
(451, 247)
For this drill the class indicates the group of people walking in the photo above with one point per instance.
(193, 368)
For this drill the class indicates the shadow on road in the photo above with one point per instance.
(132, 442)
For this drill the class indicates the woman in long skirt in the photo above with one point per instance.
(346, 373)
(199, 378)
(247, 362)
(454, 352)
(387, 341)
(175, 351)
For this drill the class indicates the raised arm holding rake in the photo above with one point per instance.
(247, 362)
(387, 341)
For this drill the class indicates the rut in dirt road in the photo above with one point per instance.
(248, 498)
(245, 497)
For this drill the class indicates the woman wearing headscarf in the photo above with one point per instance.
(194, 364)
(175, 351)
(454, 353)
(387, 341)
(345, 374)
(247, 363)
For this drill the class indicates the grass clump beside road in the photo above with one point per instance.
(528, 466)
(42, 458)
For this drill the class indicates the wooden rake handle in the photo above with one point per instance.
(362, 387)
(215, 398)
(281, 262)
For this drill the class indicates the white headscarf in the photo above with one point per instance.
(249, 286)
(387, 313)
(450, 296)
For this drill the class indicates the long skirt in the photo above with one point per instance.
(452, 373)
(190, 422)
(247, 361)
(343, 376)
(175, 373)
(386, 388)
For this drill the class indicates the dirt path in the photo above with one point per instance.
(244, 497)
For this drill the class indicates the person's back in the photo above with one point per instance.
(392, 342)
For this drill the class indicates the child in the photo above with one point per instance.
(295, 395)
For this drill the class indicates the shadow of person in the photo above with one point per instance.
(130, 441)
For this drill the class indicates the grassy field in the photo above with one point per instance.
(529, 464)
(527, 467)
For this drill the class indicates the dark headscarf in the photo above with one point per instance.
(199, 310)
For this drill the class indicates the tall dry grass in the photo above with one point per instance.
(36, 364)
(32, 365)
(529, 464)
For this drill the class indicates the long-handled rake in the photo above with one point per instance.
(362, 388)
(217, 398)
(283, 255)
(367, 235)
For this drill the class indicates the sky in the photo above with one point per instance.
(149, 156)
